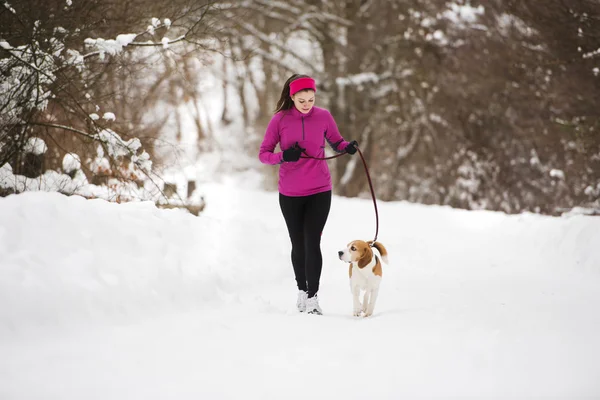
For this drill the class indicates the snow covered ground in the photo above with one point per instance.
(106, 301)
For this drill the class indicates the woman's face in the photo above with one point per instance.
(304, 100)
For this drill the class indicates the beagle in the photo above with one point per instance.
(365, 273)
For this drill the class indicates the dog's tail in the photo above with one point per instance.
(381, 249)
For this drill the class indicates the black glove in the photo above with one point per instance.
(351, 148)
(293, 153)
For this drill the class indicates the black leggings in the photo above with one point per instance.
(305, 218)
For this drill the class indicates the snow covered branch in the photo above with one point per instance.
(37, 73)
(116, 46)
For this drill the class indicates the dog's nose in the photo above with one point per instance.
(340, 253)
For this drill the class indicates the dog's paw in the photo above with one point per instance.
(356, 313)
(368, 314)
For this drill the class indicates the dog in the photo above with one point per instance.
(365, 273)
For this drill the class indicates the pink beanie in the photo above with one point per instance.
(302, 84)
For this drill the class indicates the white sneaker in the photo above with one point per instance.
(301, 302)
(312, 306)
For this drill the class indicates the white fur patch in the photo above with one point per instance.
(364, 280)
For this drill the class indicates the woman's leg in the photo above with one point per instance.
(293, 209)
(317, 211)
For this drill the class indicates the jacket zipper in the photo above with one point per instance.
(302, 128)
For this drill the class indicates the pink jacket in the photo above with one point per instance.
(306, 176)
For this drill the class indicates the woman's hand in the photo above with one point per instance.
(351, 148)
(293, 153)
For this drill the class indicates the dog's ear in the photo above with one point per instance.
(366, 256)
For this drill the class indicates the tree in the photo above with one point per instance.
(62, 83)
(466, 104)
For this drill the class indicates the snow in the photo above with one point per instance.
(591, 191)
(100, 300)
(557, 173)
(109, 116)
(358, 79)
(75, 58)
(592, 54)
(438, 36)
(117, 147)
(111, 46)
(71, 162)
(9, 7)
(580, 211)
(100, 165)
(460, 14)
(53, 181)
(35, 146)
(126, 39)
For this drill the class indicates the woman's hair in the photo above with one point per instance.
(285, 101)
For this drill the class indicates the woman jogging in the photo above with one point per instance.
(301, 130)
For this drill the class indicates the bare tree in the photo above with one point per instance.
(460, 104)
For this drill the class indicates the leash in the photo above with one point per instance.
(368, 179)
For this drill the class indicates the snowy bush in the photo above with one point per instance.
(48, 112)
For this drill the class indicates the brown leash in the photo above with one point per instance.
(368, 178)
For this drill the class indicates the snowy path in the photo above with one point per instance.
(473, 305)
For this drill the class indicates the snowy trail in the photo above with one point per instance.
(473, 304)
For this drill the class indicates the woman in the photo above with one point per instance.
(302, 129)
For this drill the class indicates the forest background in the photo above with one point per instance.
(474, 104)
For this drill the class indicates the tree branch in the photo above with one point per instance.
(59, 126)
